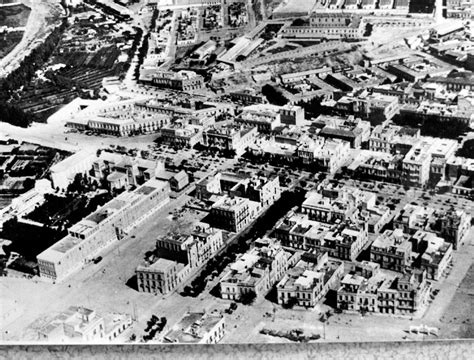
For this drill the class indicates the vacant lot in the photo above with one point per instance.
(14, 16)
(459, 316)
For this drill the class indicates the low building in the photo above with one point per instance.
(255, 272)
(197, 328)
(81, 325)
(182, 80)
(248, 97)
(101, 228)
(179, 181)
(308, 282)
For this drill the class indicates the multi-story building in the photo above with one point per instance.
(344, 241)
(326, 154)
(181, 135)
(292, 115)
(233, 213)
(375, 107)
(384, 293)
(435, 254)
(333, 205)
(182, 80)
(328, 25)
(122, 171)
(217, 184)
(379, 166)
(412, 218)
(452, 225)
(393, 139)
(194, 249)
(308, 282)
(63, 173)
(265, 117)
(98, 230)
(163, 276)
(256, 271)
(230, 138)
(178, 256)
(126, 126)
(416, 164)
(197, 328)
(355, 131)
(392, 250)
(259, 189)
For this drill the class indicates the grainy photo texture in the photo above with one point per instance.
(237, 172)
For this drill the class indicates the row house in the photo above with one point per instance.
(308, 282)
(258, 270)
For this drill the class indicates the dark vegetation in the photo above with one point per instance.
(467, 149)
(154, 326)
(432, 126)
(273, 95)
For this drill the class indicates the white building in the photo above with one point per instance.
(63, 173)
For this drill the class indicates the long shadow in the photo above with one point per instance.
(272, 295)
(216, 291)
(331, 298)
(132, 283)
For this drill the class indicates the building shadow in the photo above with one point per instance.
(331, 298)
(216, 291)
(272, 295)
(132, 283)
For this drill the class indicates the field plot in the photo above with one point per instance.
(8, 40)
(14, 16)
(84, 53)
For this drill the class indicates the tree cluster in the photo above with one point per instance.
(14, 115)
(34, 61)
(154, 326)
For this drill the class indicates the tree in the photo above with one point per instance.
(273, 95)
(467, 149)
